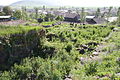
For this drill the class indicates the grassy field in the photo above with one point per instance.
(7, 30)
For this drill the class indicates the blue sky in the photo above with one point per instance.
(83, 3)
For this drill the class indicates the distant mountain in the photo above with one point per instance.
(75, 3)
(37, 3)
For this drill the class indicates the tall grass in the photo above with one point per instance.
(6, 30)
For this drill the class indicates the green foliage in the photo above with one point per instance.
(59, 18)
(118, 14)
(49, 17)
(54, 59)
(17, 14)
(98, 13)
(83, 16)
(2, 13)
(7, 10)
(68, 47)
(36, 12)
(91, 68)
(7, 30)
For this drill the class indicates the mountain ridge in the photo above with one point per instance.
(37, 3)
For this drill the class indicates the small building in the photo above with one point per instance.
(71, 17)
(94, 20)
(112, 19)
(5, 18)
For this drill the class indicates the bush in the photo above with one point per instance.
(91, 68)
(68, 47)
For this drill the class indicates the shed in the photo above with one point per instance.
(94, 20)
(112, 19)
(5, 18)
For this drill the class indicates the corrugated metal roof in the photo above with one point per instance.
(70, 15)
(100, 20)
(5, 16)
(90, 17)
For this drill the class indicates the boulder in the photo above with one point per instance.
(84, 46)
(41, 32)
(92, 43)
(118, 74)
(82, 60)
(116, 29)
(82, 51)
(95, 53)
(67, 79)
(91, 49)
(118, 59)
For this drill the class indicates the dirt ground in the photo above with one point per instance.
(16, 22)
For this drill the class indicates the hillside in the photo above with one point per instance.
(37, 3)
(60, 52)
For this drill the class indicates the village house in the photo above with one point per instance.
(71, 17)
(95, 20)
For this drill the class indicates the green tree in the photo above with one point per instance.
(103, 15)
(17, 14)
(83, 16)
(7, 10)
(60, 18)
(36, 12)
(24, 13)
(2, 13)
(118, 15)
(98, 13)
(49, 17)
(109, 13)
(44, 7)
(32, 15)
(24, 8)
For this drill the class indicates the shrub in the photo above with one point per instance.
(68, 47)
(91, 68)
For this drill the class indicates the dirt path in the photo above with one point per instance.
(15, 22)
(103, 49)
